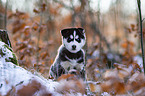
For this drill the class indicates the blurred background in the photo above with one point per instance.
(34, 28)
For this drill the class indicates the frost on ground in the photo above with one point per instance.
(17, 81)
(14, 78)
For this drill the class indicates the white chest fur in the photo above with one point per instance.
(71, 64)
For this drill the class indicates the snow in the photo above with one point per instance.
(12, 75)
(105, 94)
(139, 61)
(19, 77)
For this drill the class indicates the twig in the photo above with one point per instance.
(38, 39)
(100, 44)
(67, 7)
(141, 40)
(93, 26)
(5, 17)
(5, 25)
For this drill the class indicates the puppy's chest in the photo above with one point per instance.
(72, 64)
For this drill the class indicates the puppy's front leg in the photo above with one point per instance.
(82, 74)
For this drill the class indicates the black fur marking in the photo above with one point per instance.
(70, 55)
(82, 73)
(80, 61)
(68, 68)
(67, 32)
(78, 40)
(69, 39)
(58, 71)
(74, 68)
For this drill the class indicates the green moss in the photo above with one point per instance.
(1, 53)
(8, 47)
(12, 59)
(15, 58)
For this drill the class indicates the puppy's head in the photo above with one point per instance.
(73, 39)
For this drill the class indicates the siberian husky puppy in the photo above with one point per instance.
(70, 54)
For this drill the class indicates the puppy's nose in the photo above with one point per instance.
(73, 47)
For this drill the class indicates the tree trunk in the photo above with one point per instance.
(5, 38)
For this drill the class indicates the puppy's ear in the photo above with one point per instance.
(64, 32)
(81, 30)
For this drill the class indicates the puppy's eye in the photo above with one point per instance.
(69, 40)
(78, 39)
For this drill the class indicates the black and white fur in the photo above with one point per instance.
(70, 54)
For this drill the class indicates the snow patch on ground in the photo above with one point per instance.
(139, 61)
(12, 75)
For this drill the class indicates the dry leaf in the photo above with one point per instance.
(36, 11)
(65, 76)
